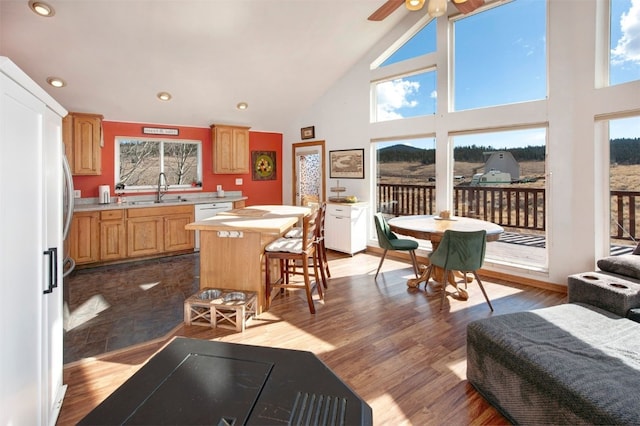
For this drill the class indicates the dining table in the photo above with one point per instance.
(432, 228)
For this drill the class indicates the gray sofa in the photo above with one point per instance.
(576, 363)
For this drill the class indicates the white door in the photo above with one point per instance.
(30, 200)
(52, 337)
(21, 255)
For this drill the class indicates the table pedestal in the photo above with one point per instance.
(437, 274)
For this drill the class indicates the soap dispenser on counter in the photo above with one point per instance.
(220, 191)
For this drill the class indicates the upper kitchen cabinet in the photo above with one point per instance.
(82, 135)
(230, 149)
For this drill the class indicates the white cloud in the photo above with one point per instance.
(394, 95)
(628, 48)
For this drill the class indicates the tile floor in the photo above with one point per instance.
(112, 307)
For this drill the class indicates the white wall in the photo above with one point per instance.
(577, 191)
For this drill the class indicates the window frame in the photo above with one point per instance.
(161, 141)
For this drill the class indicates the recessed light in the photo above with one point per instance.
(42, 8)
(242, 106)
(56, 82)
(164, 96)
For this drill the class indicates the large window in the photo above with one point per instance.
(500, 177)
(423, 42)
(139, 162)
(624, 61)
(624, 184)
(408, 96)
(405, 177)
(500, 56)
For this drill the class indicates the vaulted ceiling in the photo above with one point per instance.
(279, 56)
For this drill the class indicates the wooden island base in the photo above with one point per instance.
(232, 246)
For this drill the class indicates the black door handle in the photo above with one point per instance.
(52, 252)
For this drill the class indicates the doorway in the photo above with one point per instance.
(308, 172)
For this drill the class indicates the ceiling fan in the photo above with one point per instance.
(435, 8)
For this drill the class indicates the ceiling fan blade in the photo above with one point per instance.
(467, 6)
(385, 10)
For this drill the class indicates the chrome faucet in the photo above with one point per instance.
(166, 186)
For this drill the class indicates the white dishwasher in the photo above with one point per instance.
(205, 211)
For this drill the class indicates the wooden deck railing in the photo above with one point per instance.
(520, 208)
(624, 205)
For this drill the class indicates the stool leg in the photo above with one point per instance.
(307, 284)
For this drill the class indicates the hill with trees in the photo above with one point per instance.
(623, 151)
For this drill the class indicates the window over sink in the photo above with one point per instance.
(139, 162)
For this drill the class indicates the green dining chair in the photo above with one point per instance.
(459, 251)
(389, 241)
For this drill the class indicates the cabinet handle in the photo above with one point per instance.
(52, 252)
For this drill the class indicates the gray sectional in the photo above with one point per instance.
(576, 363)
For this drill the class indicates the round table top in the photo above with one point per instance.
(425, 226)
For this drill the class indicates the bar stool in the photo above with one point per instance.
(297, 250)
(321, 251)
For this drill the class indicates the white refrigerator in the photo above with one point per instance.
(31, 388)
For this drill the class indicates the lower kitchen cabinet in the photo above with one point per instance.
(113, 235)
(175, 236)
(84, 245)
(145, 234)
(346, 227)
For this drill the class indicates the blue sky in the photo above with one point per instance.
(505, 50)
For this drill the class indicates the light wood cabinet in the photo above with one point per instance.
(118, 234)
(145, 234)
(230, 149)
(239, 204)
(175, 236)
(82, 136)
(84, 237)
(113, 235)
(157, 230)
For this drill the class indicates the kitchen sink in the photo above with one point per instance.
(144, 203)
(151, 202)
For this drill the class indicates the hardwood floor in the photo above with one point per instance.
(389, 343)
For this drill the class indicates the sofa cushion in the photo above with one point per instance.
(627, 265)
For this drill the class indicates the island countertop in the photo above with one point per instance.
(270, 219)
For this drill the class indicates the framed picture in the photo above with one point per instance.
(308, 132)
(346, 164)
(263, 165)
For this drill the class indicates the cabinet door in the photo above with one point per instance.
(338, 229)
(241, 150)
(113, 243)
(145, 236)
(84, 237)
(175, 236)
(87, 136)
(231, 150)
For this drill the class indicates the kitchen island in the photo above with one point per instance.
(232, 245)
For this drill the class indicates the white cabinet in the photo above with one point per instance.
(346, 227)
(31, 247)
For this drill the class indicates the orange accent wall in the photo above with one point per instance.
(258, 192)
